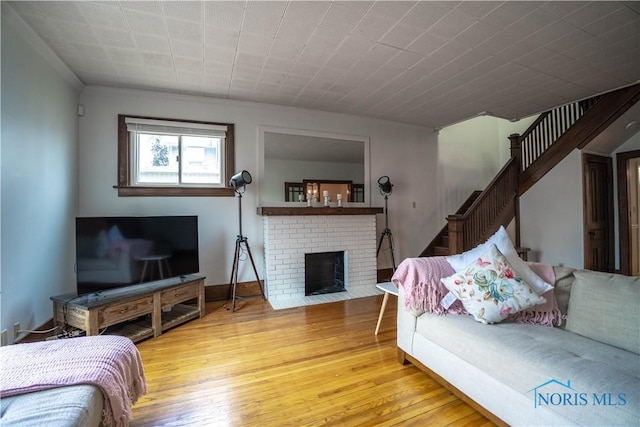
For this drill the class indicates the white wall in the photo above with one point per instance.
(551, 215)
(552, 212)
(423, 170)
(39, 178)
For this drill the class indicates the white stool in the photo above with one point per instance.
(388, 288)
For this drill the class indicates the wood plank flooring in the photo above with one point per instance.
(306, 366)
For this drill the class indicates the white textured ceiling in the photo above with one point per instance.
(421, 62)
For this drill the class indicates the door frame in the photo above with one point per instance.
(624, 229)
(587, 201)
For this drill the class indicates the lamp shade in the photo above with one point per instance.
(385, 185)
(240, 179)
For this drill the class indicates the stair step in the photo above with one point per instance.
(441, 251)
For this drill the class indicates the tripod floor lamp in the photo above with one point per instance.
(239, 182)
(385, 189)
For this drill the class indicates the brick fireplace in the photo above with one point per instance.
(292, 233)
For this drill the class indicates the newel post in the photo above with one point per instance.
(516, 147)
(516, 154)
(456, 234)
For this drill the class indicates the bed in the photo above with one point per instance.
(84, 381)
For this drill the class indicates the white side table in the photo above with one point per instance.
(388, 288)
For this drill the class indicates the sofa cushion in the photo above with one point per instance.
(503, 242)
(604, 307)
(490, 289)
(523, 357)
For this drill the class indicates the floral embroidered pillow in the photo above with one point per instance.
(490, 289)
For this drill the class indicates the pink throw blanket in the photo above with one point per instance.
(111, 363)
(420, 280)
(548, 313)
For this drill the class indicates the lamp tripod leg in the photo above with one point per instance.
(233, 283)
(387, 233)
(255, 270)
(392, 248)
(380, 244)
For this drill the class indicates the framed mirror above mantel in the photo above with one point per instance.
(309, 188)
(294, 163)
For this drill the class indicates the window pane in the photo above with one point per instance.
(157, 157)
(201, 160)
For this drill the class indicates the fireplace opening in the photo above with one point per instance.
(324, 273)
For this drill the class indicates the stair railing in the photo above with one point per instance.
(546, 142)
(547, 129)
(497, 205)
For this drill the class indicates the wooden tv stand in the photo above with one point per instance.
(136, 311)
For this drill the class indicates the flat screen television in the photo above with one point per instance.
(113, 252)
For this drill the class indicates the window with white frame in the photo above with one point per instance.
(173, 157)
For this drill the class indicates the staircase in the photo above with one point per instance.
(439, 246)
(548, 140)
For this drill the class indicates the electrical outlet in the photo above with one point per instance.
(16, 330)
(3, 338)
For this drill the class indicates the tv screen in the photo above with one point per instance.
(113, 252)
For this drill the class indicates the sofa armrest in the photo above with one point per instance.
(406, 324)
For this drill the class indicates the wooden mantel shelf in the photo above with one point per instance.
(285, 211)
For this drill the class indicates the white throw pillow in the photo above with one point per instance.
(503, 242)
(490, 288)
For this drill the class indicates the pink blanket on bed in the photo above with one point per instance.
(420, 280)
(111, 363)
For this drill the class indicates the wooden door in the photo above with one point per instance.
(628, 167)
(598, 212)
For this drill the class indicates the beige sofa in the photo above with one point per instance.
(584, 372)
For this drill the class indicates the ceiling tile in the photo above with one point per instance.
(259, 24)
(223, 14)
(154, 44)
(591, 12)
(62, 11)
(341, 19)
(146, 23)
(426, 62)
(452, 24)
(477, 9)
(154, 7)
(185, 30)
(309, 12)
(185, 10)
(188, 64)
(187, 50)
(508, 13)
(401, 35)
(424, 14)
(476, 34)
(373, 27)
(157, 60)
(391, 9)
(128, 56)
(108, 37)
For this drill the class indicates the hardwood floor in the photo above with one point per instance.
(315, 365)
